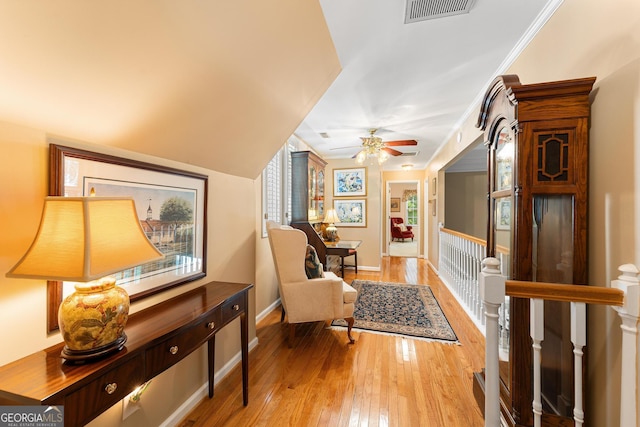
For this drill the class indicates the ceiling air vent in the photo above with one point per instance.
(420, 10)
(409, 154)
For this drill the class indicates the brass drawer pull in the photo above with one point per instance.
(111, 388)
(173, 349)
(211, 325)
(236, 307)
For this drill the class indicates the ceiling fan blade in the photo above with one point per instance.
(392, 151)
(343, 148)
(401, 142)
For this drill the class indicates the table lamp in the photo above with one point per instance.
(83, 239)
(332, 232)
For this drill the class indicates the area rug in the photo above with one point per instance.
(403, 249)
(399, 309)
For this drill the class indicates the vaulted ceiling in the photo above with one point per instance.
(222, 85)
(217, 84)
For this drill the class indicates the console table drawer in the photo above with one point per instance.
(103, 392)
(174, 349)
(232, 308)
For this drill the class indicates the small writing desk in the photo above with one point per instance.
(343, 248)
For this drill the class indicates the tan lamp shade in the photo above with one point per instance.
(331, 217)
(331, 231)
(85, 238)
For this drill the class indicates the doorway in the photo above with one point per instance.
(403, 205)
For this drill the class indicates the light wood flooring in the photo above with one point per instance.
(380, 380)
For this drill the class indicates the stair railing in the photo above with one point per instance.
(623, 296)
(460, 262)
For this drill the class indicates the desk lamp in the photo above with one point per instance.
(83, 239)
(332, 232)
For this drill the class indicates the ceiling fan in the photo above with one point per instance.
(373, 146)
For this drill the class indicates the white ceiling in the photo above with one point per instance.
(222, 85)
(413, 81)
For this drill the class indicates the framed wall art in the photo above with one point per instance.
(171, 205)
(352, 212)
(503, 213)
(350, 182)
(395, 204)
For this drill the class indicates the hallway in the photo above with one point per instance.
(380, 380)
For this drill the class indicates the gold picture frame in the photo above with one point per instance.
(394, 205)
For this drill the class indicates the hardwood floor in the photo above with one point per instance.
(380, 380)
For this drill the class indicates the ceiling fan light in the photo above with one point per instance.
(383, 156)
(361, 157)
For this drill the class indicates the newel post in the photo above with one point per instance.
(492, 285)
(629, 313)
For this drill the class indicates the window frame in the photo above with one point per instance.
(277, 205)
(409, 219)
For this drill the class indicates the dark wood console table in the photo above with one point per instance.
(158, 337)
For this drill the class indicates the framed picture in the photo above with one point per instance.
(395, 204)
(503, 213)
(352, 213)
(350, 182)
(172, 208)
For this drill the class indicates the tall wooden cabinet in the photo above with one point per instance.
(307, 198)
(537, 140)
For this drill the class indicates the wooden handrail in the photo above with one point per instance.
(502, 249)
(563, 292)
(464, 236)
(481, 242)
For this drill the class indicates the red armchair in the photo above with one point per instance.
(399, 230)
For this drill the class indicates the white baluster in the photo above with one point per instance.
(481, 254)
(475, 307)
(537, 335)
(630, 314)
(456, 266)
(463, 271)
(492, 286)
(467, 273)
(579, 340)
(478, 266)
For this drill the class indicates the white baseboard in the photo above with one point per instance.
(368, 268)
(268, 310)
(203, 391)
(434, 268)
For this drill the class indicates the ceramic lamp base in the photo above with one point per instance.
(92, 320)
(332, 233)
(77, 356)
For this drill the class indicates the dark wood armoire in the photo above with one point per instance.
(307, 198)
(537, 139)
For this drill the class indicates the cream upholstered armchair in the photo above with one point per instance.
(304, 299)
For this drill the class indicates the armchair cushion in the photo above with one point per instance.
(350, 294)
(312, 265)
